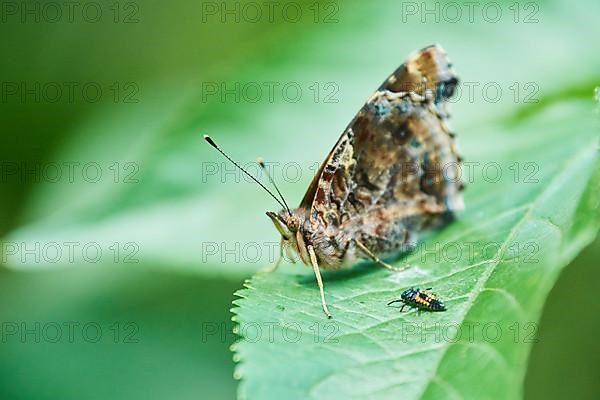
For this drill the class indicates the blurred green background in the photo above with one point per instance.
(127, 89)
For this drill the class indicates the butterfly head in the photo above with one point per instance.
(287, 224)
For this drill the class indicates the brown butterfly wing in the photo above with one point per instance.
(395, 160)
(427, 69)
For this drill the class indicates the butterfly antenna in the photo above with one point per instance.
(213, 144)
(261, 162)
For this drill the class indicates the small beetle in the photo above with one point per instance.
(421, 299)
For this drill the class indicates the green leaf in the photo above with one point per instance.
(493, 267)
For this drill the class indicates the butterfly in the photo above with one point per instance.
(393, 173)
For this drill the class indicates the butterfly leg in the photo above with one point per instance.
(378, 260)
(313, 260)
(273, 267)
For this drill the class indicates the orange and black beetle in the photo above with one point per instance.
(421, 299)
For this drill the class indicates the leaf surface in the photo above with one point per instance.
(493, 268)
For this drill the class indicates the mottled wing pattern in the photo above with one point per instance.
(394, 169)
(428, 69)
